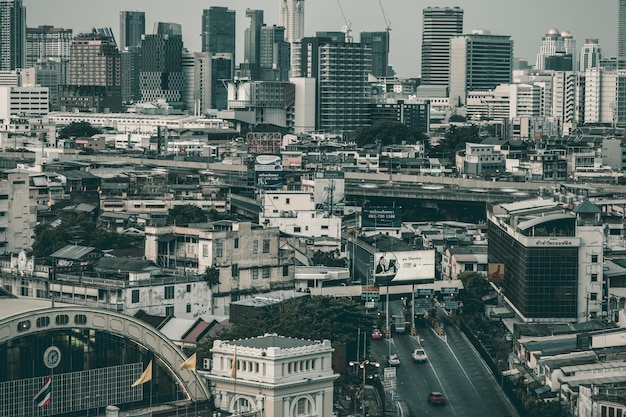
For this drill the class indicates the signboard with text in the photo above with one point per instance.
(268, 171)
(381, 217)
(402, 267)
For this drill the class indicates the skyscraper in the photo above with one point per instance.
(218, 30)
(590, 55)
(252, 39)
(273, 54)
(168, 28)
(292, 19)
(47, 42)
(478, 61)
(379, 42)
(12, 34)
(440, 24)
(557, 47)
(161, 75)
(621, 35)
(132, 26)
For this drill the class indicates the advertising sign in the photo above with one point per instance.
(381, 217)
(495, 272)
(425, 292)
(268, 171)
(330, 188)
(263, 143)
(393, 268)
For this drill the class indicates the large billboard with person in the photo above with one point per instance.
(392, 268)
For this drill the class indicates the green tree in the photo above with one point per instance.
(212, 276)
(454, 140)
(328, 258)
(387, 133)
(183, 215)
(475, 286)
(78, 129)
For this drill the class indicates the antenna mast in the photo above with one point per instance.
(348, 27)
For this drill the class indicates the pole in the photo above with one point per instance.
(358, 346)
(364, 364)
(413, 306)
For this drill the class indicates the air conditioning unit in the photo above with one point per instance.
(206, 364)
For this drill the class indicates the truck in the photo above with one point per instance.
(399, 323)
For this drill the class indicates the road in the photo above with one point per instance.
(453, 368)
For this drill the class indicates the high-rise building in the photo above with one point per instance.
(45, 42)
(560, 45)
(379, 42)
(161, 76)
(590, 55)
(218, 30)
(343, 90)
(440, 24)
(12, 34)
(197, 76)
(221, 72)
(51, 73)
(132, 26)
(252, 40)
(292, 19)
(168, 28)
(94, 73)
(621, 35)
(479, 61)
(131, 66)
(274, 54)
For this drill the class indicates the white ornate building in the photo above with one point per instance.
(273, 376)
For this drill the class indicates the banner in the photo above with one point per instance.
(405, 266)
(495, 272)
(381, 217)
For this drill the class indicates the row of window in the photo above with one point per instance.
(60, 320)
(219, 247)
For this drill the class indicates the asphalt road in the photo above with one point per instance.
(453, 368)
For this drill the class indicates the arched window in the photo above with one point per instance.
(242, 405)
(304, 407)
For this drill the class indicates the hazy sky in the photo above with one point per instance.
(526, 21)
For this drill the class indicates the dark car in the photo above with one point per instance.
(436, 398)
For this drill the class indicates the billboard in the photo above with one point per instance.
(268, 171)
(495, 272)
(381, 217)
(330, 188)
(392, 268)
(263, 143)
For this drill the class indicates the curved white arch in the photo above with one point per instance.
(82, 317)
(310, 400)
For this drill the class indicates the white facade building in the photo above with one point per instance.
(23, 102)
(197, 77)
(590, 55)
(273, 376)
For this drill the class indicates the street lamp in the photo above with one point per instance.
(363, 365)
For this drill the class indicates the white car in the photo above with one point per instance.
(419, 355)
(394, 360)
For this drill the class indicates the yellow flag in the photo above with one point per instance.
(233, 371)
(146, 376)
(189, 364)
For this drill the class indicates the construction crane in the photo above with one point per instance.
(387, 21)
(347, 29)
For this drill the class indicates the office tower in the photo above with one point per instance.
(379, 42)
(218, 30)
(168, 28)
(552, 260)
(12, 34)
(557, 50)
(590, 55)
(621, 35)
(292, 19)
(51, 73)
(221, 72)
(440, 24)
(47, 42)
(478, 61)
(564, 94)
(197, 82)
(161, 76)
(252, 39)
(94, 73)
(132, 26)
(343, 90)
(131, 66)
(274, 54)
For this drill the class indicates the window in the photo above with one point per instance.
(169, 292)
(135, 296)
(188, 308)
(62, 319)
(593, 296)
(205, 251)
(22, 326)
(266, 246)
(287, 201)
(255, 273)
(188, 287)
(285, 270)
(255, 247)
(594, 277)
(236, 243)
(266, 272)
(234, 270)
(80, 319)
(219, 247)
(43, 321)
(303, 407)
(297, 229)
(325, 227)
(169, 311)
(594, 259)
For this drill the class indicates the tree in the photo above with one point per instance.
(387, 133)
(212, 276)
(455, 138)
(183, 215)
(78, 129)
(328, 258)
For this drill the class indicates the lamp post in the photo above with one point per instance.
(363, 365)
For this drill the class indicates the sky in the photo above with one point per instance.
(525, 21)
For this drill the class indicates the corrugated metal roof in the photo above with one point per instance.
(74, 252)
